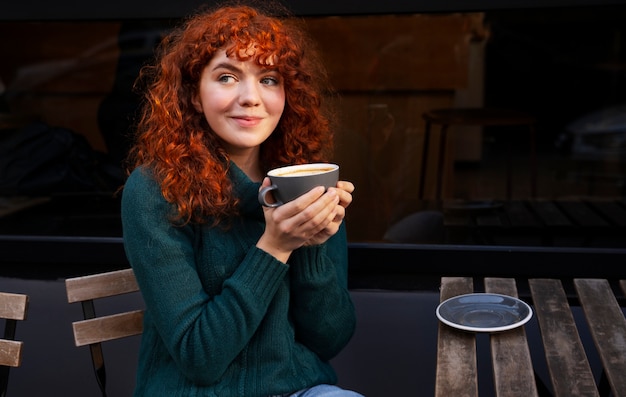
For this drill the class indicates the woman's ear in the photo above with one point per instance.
(197, 104)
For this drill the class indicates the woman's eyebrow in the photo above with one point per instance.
(235, 69)
(227, 66)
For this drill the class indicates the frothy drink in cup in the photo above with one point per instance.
(289, 183)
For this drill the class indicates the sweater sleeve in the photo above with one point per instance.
(193, 325)
(322, 309)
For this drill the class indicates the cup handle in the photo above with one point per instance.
(262, 197)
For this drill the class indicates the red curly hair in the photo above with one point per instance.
(175, 142)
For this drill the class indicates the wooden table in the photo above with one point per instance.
(547, 223)
(569, 369)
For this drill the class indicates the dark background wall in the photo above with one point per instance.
(120, 9)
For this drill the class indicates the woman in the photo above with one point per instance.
(241, 300)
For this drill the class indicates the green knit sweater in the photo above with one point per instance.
(224, 318)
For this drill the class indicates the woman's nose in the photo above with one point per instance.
(249, 94)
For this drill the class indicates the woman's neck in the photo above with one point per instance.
(249, 164)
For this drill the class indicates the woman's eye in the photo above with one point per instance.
(225, 78)
(269, 80)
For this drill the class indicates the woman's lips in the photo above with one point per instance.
(248, 121)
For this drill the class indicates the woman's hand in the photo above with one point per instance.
(308, 220)
(344, 190)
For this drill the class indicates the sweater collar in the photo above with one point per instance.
(246, 190)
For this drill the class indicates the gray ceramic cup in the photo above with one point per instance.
(289, 183)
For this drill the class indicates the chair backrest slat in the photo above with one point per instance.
(94, 329)
(100, 285)
(13, 306)
(11, 352)
(106, 328)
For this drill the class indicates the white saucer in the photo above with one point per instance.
(484, 312)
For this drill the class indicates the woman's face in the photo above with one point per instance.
(241, 101)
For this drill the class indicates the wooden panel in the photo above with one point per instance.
(13, 306)
(456, 350)
(100, 285)
(398, 52)
(41, 56)
(107, 328)
(10, 353)
(512, 365)
(59, 72)
(379, 146)
(608, 329)
(567, 362)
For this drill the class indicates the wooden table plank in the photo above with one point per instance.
(549, 213)
(567, 362)
(512, 365)
(519, 215)
(611, 210)
(456, 350)
(489, 220)
(608, 329)
(582, 214)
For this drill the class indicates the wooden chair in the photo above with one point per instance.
(13, 308)
(94, 330)
(448, 117)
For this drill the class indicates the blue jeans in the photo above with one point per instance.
(325, 391)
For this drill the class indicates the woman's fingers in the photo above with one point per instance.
(345, 189)
(346, 186)
(311, 218)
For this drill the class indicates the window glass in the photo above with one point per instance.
(561, 70)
